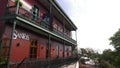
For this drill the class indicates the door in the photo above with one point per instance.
(35, 12)
(33, 49)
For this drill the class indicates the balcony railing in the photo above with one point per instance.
(28, 15)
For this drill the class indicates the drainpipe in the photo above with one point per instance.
(49, 50)
(51, 17)
(49, 40)
(64, 37)
(64, 49)
(11, 40)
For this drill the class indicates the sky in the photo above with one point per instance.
(96, 20)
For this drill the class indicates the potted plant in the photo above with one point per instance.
(20, 3)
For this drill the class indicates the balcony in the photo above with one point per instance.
(39, 22)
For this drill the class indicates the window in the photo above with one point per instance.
(35, 12)
(33, 49)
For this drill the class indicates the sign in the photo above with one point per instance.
(21, 35)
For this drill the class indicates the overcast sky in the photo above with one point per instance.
(97, 21)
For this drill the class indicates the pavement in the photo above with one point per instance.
(72, 65)
(77, 65)
(87, 66)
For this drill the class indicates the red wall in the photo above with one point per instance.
(41, 52)
(68, 51)
(11, 3)
(53, 50)
(3, 4)
(60, 51)
(56, 50)
(23, 50)
(57, 25)
(18, 52)
(55, 21)
(35, 2)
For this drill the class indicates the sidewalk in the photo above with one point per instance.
(87, 66)
(72, 65)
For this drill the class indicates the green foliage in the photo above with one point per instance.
(115, 40)
(117, 61)
(83, 51)
(82, 61)
(88, 52)
(3, 58)
(75, 53)
(108, 55)
(20, 3)
(105, 64)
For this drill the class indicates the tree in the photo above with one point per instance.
(115, 41)
(105, 64)
(108, 55)
(87, 54)
(83, 52)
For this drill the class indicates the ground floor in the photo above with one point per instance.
(31, 45)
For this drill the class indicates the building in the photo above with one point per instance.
(34, 30)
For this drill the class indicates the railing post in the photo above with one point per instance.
(12, 35)
(76, 35)
(10, 45)
(49, 47)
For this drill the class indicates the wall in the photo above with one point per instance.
(55, 23)
(3, 4)
(68, 51)
(22, 43)
(42, 46)
(20, 47)
(35, 2)
(60, 50)
(53, 50)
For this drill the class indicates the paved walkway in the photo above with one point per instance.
(72, 65)
(87, 66)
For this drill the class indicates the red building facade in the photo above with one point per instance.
(34, 29)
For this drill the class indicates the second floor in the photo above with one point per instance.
(46, 13)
